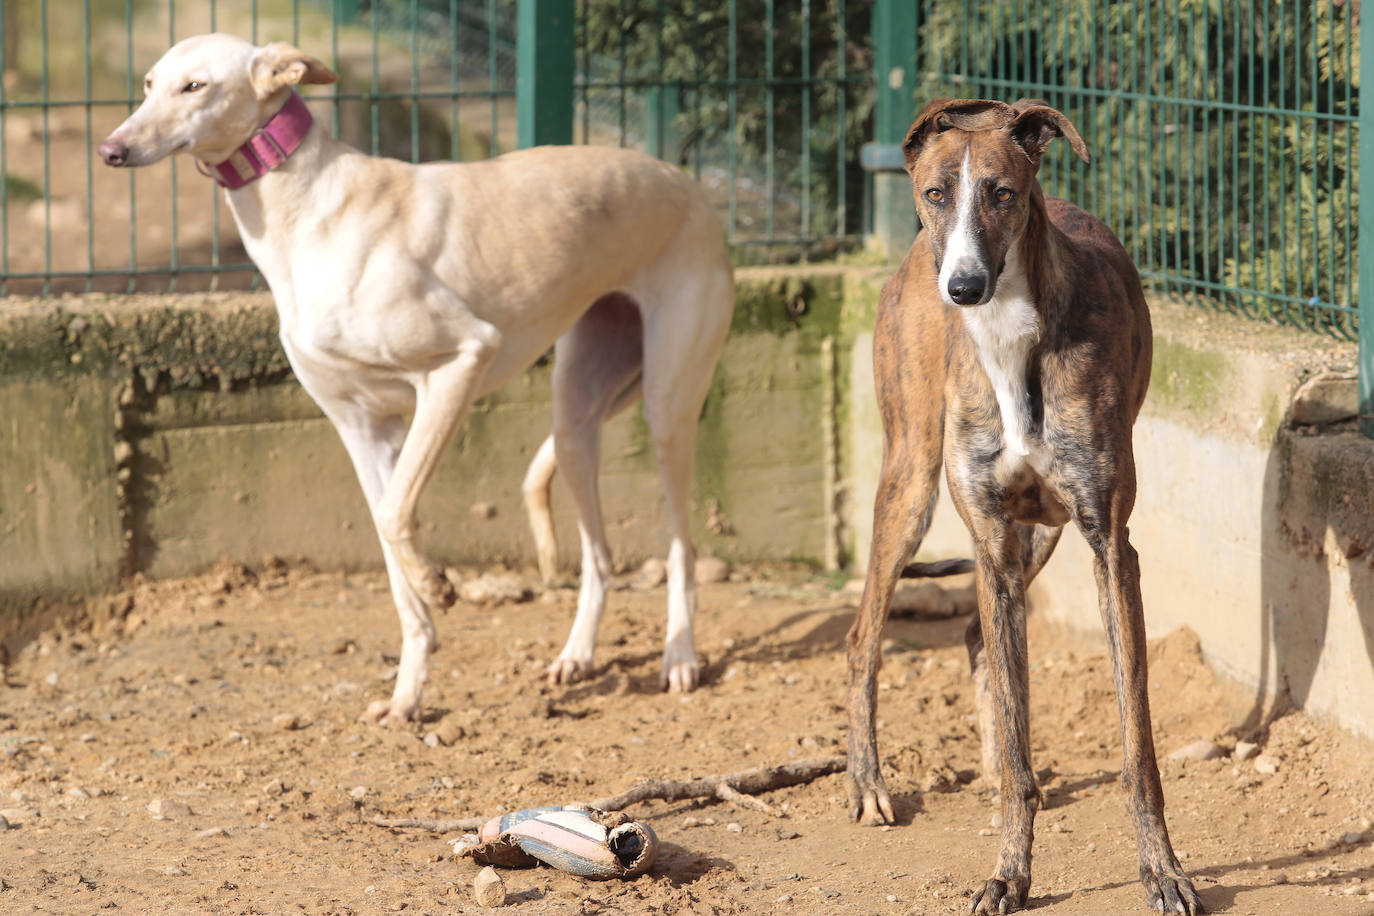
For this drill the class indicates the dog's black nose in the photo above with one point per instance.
(967, 289)
(114, 153)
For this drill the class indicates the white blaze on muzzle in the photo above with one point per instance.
(962, 257)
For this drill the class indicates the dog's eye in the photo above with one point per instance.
(1004, 195)
(193, 86)
(935, 195)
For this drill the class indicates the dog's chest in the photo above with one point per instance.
(1003, 333)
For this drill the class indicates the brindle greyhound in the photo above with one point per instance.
(1013, 345)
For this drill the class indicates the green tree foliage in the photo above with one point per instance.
(778, 92)
(1207, 187)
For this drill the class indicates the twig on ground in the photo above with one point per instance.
(735, 788)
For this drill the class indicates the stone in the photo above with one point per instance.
(650, 576)
(286, 722)
(495, 588)
(168, 809)
(488, 888)
(1328, 397)
(1267, 764)
(1246, 749)
(711, 569)
(1198, 750)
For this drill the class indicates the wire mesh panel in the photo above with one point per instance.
(1223, 134)
(767, 102)
(419, 79)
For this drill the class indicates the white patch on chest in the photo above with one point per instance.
(1003, 331)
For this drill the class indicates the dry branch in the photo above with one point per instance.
(735, 788)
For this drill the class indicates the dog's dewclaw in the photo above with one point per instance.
(579, 840)
(488, 888)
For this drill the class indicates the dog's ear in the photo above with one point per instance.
(942, 114)
(1035, 124)
(279, 64)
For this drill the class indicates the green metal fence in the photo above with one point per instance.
(1223, 135)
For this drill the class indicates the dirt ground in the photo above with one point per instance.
(199, 752)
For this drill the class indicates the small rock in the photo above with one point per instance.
(175, 871)
(1326, 398)
(286, 722)
(734, 828)
(788, 834)
(211, 832)
(712, 569)
(997, 818)
(1245, 750)
(1267, 764)
(785, 898)
(650, 576)
(690, 821)
(1198, 750)
(4, 824)
(482, 511)
(488, 888)
(825, 892)
(1281, 878)
(77, 792)
(493, 588)
(1353, 838)
(891, 898)
(274, 787)
(357, 793)
(343, 647)
(167, 809)
(432, 740)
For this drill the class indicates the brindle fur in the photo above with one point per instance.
(1086, 376)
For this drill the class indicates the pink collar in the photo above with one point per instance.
(267, 148)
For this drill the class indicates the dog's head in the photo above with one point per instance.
(972, 164)
(206, 96)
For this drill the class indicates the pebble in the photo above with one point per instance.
(1352, 838)
(211, 832)
(788, 834)
(488, 888)
(1281, 878)
(493, 588)
(785, 898)
(891, 898)
(175, 871)
(650, 576)
(1267, 764)
(274, 787)
(4, 824)
(286, 722)
(825, 891)
(734, 828)
(357, 793)
(1246, 749)
(712, 569)
(432, 740)
(168, 809)
(997, 818)
(1198, 750)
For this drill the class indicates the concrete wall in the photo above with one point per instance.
(158, 435)
(1257, 534)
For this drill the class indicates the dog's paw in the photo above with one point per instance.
(1171, 893)
(568, 670)
(389, 712)
(680, 677)
(1001, 895)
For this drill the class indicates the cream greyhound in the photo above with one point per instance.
(423, 287)
(1013, 347)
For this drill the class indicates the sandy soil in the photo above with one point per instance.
(229, 704)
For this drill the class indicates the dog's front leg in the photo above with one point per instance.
(1002, 615)
(1117, 568)
(901, 514)
(442, 399)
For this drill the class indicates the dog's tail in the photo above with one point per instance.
(937, 569)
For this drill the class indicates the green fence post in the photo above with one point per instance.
(544, 72)
(660, 122)
(1365, 251)
(894, 69)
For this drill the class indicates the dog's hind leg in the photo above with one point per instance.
(538, 486)
(597, 366)
(683, 337)
(1037, 543)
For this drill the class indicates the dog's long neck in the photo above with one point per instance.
(1007, 328)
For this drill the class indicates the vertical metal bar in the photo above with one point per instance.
(129, 94)
(621, 74)
(1333, 297)
(1270, 305)
(1325, 314)
(544, 72)
(895, 57)
(1350, 175)
(175, 258)
(375, 85)
(90, 142)
(585, 49)
(213, 191)
(696, 88)
(733, 89)
(1366, 252)
(1198, 80)
(47, 150)
(842, 96)
(4, 165)
(1235, 146)
(337, 104)
(455, 151)
(493, 77)
(806, 123)
(770, 99)
(414, 81)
